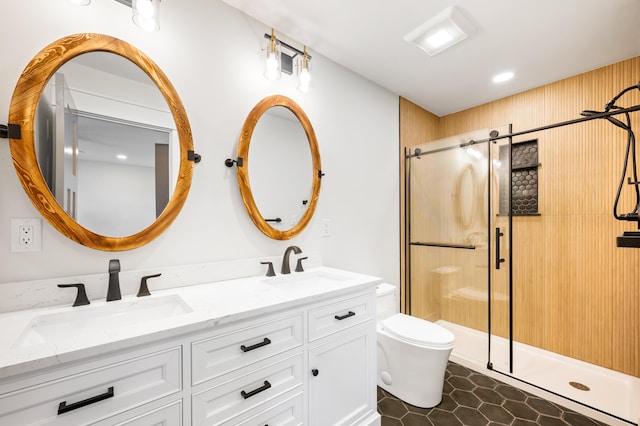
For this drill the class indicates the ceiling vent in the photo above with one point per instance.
(441, 32)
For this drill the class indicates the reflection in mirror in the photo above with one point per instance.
(81, 88)
(279, 167)
(106, 144)
(465, 196)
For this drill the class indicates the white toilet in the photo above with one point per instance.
(412, 353)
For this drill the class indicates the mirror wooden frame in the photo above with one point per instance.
(22, 113)
(243, 170)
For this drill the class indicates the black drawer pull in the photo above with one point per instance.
(246, 395)
(265, 342)
(340, 318)
(315, 372)
(63, 407)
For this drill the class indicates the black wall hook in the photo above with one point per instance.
(229, 162)
(192, 156)
(12, 131)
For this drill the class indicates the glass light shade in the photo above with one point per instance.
(304, 79)
(146, 14)
(304, 73)
(272, 65)
(81, 2)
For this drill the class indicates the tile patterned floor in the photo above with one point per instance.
(471, 398)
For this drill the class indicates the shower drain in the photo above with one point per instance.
(580, 386)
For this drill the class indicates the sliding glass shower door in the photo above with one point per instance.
(454, 231)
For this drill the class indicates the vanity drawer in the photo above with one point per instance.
(246, 391)
(281, 413)
(95, 394)
(169, 415)
(340, 315)
(220, 355)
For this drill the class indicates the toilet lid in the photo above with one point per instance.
(418, 331)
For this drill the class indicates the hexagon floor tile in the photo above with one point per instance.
(470, 398)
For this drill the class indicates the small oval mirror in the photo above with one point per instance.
(279, 178)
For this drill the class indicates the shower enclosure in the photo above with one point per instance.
(513, 250)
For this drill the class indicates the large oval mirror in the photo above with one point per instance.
(105, 144)
(279, 174)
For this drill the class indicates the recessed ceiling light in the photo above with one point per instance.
(441, 32)
(440, 38)
(502, 77)
(121, 157)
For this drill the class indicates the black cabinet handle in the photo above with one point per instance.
(63, 407)
(315, 372)
(246, 395)
(265, 342)
(341, 317)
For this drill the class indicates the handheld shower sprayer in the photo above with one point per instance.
(630, 151)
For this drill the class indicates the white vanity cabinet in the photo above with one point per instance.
(307, 361)
(342, 347)
(247, 369)
(125, 386)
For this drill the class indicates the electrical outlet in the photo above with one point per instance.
(26, 235)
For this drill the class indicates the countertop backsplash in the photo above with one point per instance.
(23, 295)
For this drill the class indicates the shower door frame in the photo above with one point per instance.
(492, 258)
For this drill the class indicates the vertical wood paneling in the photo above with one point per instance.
(575, 292)
(417, 126)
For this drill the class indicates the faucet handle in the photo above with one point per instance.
(81, 296)
(270, 271)
(144, 290)
(299, 264)
(114, 266)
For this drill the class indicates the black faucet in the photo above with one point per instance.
(286, 269)
(81, 295)
(114, 282)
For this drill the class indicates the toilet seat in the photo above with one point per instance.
(418, 331)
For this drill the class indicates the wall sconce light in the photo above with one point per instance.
(273, 61)
(279, 59)
(146, 13)
(304, 72)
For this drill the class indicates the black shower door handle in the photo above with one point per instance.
(499, 260)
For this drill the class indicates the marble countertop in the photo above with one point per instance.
(208, 306)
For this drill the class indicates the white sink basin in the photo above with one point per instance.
(87, 320)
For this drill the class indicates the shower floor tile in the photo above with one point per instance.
(470, 398)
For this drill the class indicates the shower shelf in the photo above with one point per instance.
(629, 239)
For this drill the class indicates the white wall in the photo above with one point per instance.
(212, 55)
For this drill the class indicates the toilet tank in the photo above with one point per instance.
(387, 301)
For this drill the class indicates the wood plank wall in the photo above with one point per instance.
(416, 127)
(575, 292)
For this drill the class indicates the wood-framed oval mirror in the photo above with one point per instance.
(294, 161)
(23, 111)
